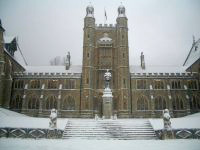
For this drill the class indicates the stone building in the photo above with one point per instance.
(76, 91)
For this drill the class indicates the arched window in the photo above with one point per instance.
(192, 84)
(35, 84)
(52, 84)
(69, 84)
(33, 102)
(195, 102)
(69, 103)
(159, 84)
(176, 84)
(178, 103)
(16, 103)
(19, 84)
(142, 103)
(51, 102)
(160, 103)
(141, 84)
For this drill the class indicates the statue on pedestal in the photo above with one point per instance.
(166, 119)
(167, 131)
(107, 97)
(107, 77)
(53, 119)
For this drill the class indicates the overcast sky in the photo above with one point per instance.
(162, 29)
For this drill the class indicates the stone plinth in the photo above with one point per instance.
(107, 103)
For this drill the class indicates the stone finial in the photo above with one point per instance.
(90, 11)
(121, 11)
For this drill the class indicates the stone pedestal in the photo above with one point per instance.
(107, 103)
(168, 134)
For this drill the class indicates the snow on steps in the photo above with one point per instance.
(121, 129)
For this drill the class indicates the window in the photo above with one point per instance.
(160, 103)
(16, 103)
(195, 102)
(52, 84)
(192, 84)
(69, 84)
(33, 102)
(141, 84)
(69, 103)
(19, 84)
(125, 104)
(124, 82)
(176, 84)
(51, 102)
(123, 55)
(142, 103)
(178, 103)
(88, 55)
(35, 84)
(159, 84)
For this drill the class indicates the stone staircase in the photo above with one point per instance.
(121, 129)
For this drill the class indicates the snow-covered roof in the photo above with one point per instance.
(193, 55)
(8, 39)
(53, 69)
(157, 69)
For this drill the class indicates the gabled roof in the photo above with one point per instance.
(193, 55)
(8, 39)
(53, 69)
(157, 69)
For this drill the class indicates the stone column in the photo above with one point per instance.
(7, 92)
(107, 97)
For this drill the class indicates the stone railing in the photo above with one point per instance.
(31, 133)
(180, 133)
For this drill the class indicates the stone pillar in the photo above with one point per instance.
(107, 103)
(41, 105)
(7, 92)
(152, 101)
(1, 82)
(107, 97)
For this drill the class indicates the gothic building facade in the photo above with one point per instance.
(76, 91)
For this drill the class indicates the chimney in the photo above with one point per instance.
(142, 61)
(68, 61)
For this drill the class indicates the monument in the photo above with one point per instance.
(53, 119)
(107, 97)
(167, 130)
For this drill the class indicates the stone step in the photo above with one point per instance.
(109, 129)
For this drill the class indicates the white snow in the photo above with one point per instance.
(55, 144)
(189, 122)
(193, 55)
(8, 39)
(158, 69)
(16, 120)
(53, 69)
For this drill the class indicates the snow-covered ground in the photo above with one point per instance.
(15, 120)
(187, 122)
(49, 144)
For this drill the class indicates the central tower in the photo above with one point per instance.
(105, 47)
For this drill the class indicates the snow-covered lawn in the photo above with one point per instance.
(187, 122)
(47, 144)
(16, 120)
